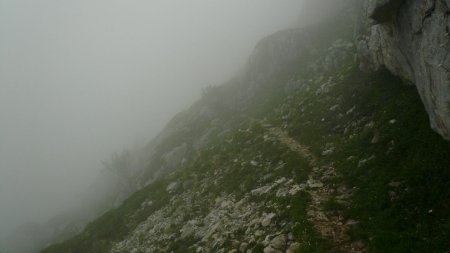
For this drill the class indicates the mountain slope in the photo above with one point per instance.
(301, 152)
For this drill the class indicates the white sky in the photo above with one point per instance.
(81, 79)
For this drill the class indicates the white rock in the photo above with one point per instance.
(364, 161)
(351, 110)
(279, 242)
(334, 107)
(267, 219)
(147, 203)
(328, 152)
(269, 249)
(295, 189)
(243, 247)
(259, 233)
(294, 247)
(282, 192)
(314, 184)
(172, 187)
(261, 190)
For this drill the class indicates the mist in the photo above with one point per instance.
(82, 79)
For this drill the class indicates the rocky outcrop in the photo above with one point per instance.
(411, 39)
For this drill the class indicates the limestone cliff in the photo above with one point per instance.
(411, 39)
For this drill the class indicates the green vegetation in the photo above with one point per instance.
(385, 149)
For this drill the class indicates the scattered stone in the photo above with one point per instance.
(226, 204)
(172, 187)
(296, 188)
(364, 161)
(294, 247)
(394, 184)
(351, 110)
(261, 190)
(280, 180)
(376, 138)
(259, 233)
(279, 242)
(346, 130)
(267, 219)
(314, 184)
(269, 249)
(243, 247)
(351, 222)
(146, 203)
(282, 192)
(391, 147)
(334, 107)
(370, 124)
(393, 195)
(328, 151)
(267, 176)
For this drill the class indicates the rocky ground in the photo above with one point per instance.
(226, 223)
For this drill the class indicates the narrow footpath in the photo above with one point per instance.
(331, 226)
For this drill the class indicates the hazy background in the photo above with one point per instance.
(81, 79)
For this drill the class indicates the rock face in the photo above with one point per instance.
(411, 39)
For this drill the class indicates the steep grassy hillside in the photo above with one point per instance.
(324, 158)
(375, 133)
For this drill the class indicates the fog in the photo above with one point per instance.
(82, 79)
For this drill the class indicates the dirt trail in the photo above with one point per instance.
(331, 226)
